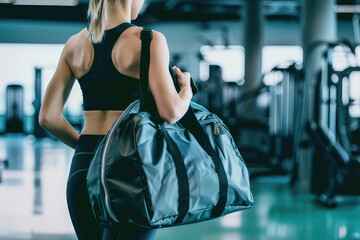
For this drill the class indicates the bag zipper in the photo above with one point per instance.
(103, 158)
(202, 122)
(222, 124)
(218, 129)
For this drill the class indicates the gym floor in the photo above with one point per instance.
(33, 203)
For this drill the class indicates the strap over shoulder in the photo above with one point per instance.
(146, 34)
(146, 37)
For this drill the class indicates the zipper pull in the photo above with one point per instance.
(216, 129)
(222, 130)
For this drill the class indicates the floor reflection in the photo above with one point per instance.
(32, 195)
(37, 182)
(33, 203)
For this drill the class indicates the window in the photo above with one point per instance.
(17, 66)
(276, 55)
(273, 56)
(231, 59)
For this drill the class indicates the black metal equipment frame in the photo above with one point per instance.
(335, 167)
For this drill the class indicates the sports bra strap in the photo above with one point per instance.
(122, 27)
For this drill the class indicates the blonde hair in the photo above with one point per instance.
(98, 14)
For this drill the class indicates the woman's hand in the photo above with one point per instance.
(183, 78)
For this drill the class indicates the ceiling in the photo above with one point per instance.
(157, 10)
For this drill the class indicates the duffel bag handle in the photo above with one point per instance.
(189, 121)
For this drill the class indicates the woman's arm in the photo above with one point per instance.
(171, 105)
(57, 93)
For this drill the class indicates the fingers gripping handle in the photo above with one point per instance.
(194, 88)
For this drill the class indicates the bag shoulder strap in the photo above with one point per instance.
(146, 37)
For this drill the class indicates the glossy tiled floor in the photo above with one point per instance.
(33, 205)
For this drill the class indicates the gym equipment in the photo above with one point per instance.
(284, 102)
(216, 90)
(39, 132)
(265, 136)
(217, 95)
(231, 94)
(336, 168)
(307, 102)
(14, 109)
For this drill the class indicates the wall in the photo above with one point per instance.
(183, 37)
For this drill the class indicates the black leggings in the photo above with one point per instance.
(78, 201)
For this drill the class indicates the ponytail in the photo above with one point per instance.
(98, 14)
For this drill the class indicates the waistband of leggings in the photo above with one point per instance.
(88, 142)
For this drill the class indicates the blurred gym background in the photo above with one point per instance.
(284, 75)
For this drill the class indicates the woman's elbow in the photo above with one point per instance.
(43, 120)
(173, 113)
(169, 116)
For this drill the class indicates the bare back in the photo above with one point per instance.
(126, 58)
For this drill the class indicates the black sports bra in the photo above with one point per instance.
(104, 87)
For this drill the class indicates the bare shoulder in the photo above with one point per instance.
(77, 40)
(78, 52)
(159, 48)
(127, 51)
(158, 36)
